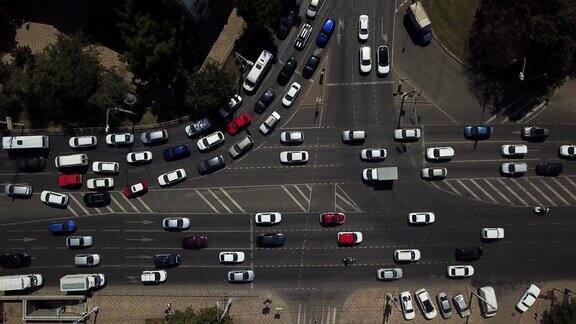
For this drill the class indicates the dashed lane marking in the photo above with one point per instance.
(339, 84)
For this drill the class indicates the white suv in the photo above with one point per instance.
(365, 59)
(210, 141)
(105, 167)
(83, 141)
(363, 29)
(54, 198)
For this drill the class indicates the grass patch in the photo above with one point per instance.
(451, 22)
(148, 118)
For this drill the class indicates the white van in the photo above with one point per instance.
(71, 161)
(489, 304)
(258, 71)
(25, 142)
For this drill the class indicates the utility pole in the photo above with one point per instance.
(9, 124)
(482, 299)
(85, 316)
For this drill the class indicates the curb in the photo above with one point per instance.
(452, 55)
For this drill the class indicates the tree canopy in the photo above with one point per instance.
(209, 315)
(209, 89)
(560, 313)
(260, 13)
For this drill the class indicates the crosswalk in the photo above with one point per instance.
(316, 314)
(525, 191)
(118, 204)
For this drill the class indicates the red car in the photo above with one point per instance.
(134, 190)
(195, 242)
(239, 123)
(70, 180)
(332, 219)
(349, 238)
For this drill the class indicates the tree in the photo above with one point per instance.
(260, 13)
(209, 89)
(202, 316)
(560, 313)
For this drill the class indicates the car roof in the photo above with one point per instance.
(328, 25)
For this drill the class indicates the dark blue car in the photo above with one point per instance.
(481, 132)
(176, 152)
(325, 33)
(65, 227)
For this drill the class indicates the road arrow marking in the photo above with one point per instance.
(143, 256)
(26, 239)
(143, 222)
(144, 239)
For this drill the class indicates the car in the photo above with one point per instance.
(268, 218)
(425, 303)
(460, 305)
(460, 271)
(534, 133)
(54, 199)
(105, 167)
(387, 274)
(195, 242)
(302, 37)
(332, 219)
(291, 95)
(231, 257)
(240, 276)
(208, 142)
(312, 64)
(78, 142)
(513, 168)
(100, 183)
(241, 147)
(264, 101)
(350, 238)
(444, 305)
(63, 227)
(286, 24)
(172, 177)
(292, 137)
(87, 260)
(154, 137)
(481, 132)
(353, 136)
(70, 180)
(373, 154)
(287, 71)
(421, 218)
(198, 127)
(528, 298)
(492, 233)
(139, 157)
(439, 153)
(434, 173)
(363, 29)
(18, 190)
(120, 139)
(239, 123)
(268, 125)
(514, 150)
(271, 240)
(548, 169)
(383, 60)
(136, 189)
(167, 260)
(176, 152)
(468, 254)
(31, 164)
(99, 280)
(97, 199)
(407, 305)
(211, 165)
(312, 10)
(407, 255)
(294, 157)
(567, 151)
(325, 33)
(15, 260)
(407, 134)
(176, 223)
(79, 241)
(232, 105)
(365, 58)
(153, 276)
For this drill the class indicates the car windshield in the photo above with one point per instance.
(383, 56)
(571, 150)
(511, 167)
(436, 152)
(428, 306)
(365, 61)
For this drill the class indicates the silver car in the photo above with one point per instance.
(434, 173)
(120, 139)
(54, 198)
(82, 141)
(444, 305)
(241, 147)
(389, 274)
(87, 260)
(159, 136)
(514, 168)
(176, 223)
(210, 141)
(79, 241)
(241, 276)
(18, 190)
(461, 306)
(292, 137)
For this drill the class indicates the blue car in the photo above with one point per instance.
(481, 132)
(325, 33)
(176, 152)
(65, 227)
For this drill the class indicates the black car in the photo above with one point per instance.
(176, 152)
(474, 132)
(287, 71)
(271, 240)
(32, 164)
(286, 24)
(534, 133)
(265, 100)
(97, 199)
(15, 260)
(548, 169)
(311, 65)
(211, 165)
(467, 254)
(167, 260)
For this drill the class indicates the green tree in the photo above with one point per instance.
(260, 13)
(209, 315)
(209, 89)
(560, 313)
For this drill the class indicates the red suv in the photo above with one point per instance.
(332, 219)
(239, 123)
(70, 180)
(195, 242)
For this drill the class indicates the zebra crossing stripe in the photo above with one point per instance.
(484, 191)
(516, 196)
(109, 209)
(293, 198)
(543, 194)
(497, 191)
(468, 189)
(144, 204)
(233, 201)
(525, 191)
(554, 192)
(301, 193)
(79, 204)
(564, 188)
(206, 201)
(130, 203)
(452, 187)
(220, 201)
(72, 210)
(117, 203)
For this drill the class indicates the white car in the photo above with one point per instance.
(176, 223)
(231, 257)
(139, 157)
(87, 260)
(568, 151)
(153, 276)
(514, 150)
(79, 241)
(365, 59)
(100, 183)
(387, 274)
(240, 276)
(54, 198)
(372, 154)
(291, 137)
(353, 136)
(495, 233)
(210, 141)
(383, 60)
(363, 29)
(439, 153)
(461, 306)
(460, 271)
(425, 303)
(421, 218)
(528, 298)
(407, 134)
(293, 157)
(120, 139)
(312, 10)
(268, 218)
(514, 168)
(154, 137)
(171, 178)
(408, 255)
(106, 167)
(407, 305)
(434, 173)
(269, 123)
(83, 141)
(291, 95)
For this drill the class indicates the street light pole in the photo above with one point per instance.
(411, 93)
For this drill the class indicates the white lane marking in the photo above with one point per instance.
(98, 210)
(554, 192)
(109, 209)
(308, 186)
(130, 203)
(144, 204)
(301, 193)
(348, 201)
(79, 204)
(493, 160)
(299, 314)
(339, 84)
(206, 201)
(338, 208)
(434, 184)
(564, 188)
(117, 203)
(468, 189)
(541, 193)
(233, 201)
(220, 201)
(293, 198)
(484, 191)
(525, 191)
(72, 210)
(452, 187)
(334, 315)
(571, 182)
(497, 191)
(514, 194)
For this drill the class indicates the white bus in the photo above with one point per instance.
(258, 71)
(25, 142)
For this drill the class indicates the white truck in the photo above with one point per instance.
(380, 174)
(81, 282)
(20, 282)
